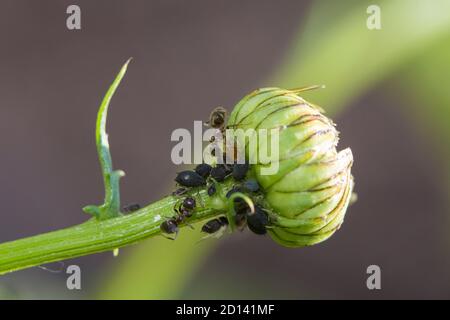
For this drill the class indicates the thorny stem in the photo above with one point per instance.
(97, 236)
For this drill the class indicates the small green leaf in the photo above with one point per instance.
(111, 178)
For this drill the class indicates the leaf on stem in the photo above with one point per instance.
(111, 207)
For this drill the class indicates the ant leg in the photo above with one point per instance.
(202, 204)
(216, 235)
(167, 237)
(190, 225)
(180, 191)
(171, 238)
(177, 209)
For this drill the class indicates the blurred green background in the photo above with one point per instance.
(386, 89)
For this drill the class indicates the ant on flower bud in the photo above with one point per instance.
(217, 118)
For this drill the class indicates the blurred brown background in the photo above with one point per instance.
(188, 58)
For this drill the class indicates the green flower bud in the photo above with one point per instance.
(308, 195)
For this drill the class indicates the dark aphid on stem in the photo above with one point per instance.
(190, 179)
(240, 171)
(217, 118)
(211, 226)
(215, 225)
(251, 185)
(131, 207)
(258, 221)
(203, 169)
(212, 190)
(218, 173)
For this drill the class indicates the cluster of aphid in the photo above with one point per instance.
(204, 175)
(207, 176)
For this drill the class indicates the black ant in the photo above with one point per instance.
(169, 227)
(184, 211)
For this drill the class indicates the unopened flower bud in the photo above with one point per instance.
(307, 196)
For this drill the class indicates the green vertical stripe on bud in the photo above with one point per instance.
(309, 193)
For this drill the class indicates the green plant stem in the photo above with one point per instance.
(96, 236)
(109, 229)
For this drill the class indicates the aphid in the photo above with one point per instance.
(203, 169)
(131, 207)
(190, 179)
(258, 221)
(170, 227)
(240, 171)
(218, 173)
(217, 118)
(212, 190)
(215, 225)
(180, 191)
(251, 185)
